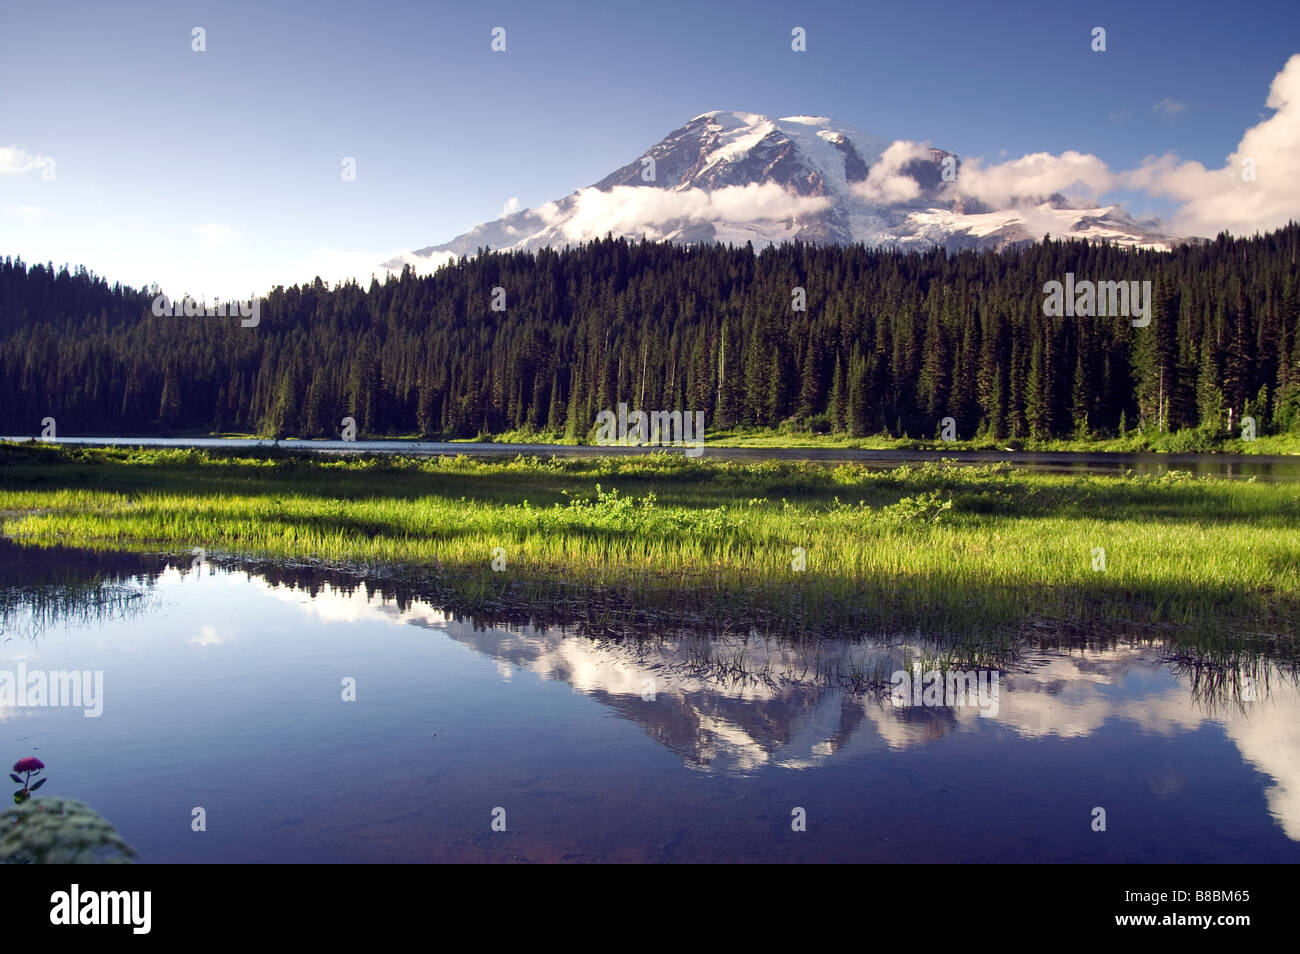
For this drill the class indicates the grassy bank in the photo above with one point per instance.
(666, 539)
(1136, 441)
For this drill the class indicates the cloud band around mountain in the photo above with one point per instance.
(655, 212)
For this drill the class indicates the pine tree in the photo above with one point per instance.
(1037, 415)
(1209, 398)
(837, 404)
(810, 383)
(169, 409)
(857, 397)
(426, 416)
(556, 415)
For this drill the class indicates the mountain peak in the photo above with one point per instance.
(733, 176)
(807, 120)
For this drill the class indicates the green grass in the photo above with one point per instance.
(790, 435)
(1135, 442)
(666, 540)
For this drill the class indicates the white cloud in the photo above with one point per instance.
(547, 212)
(1034, 177)
(1170, 108)
(214, 234)
(511, 206)
(335, 265)
(885, 182)
(1217, 199)
(25, 211)
(634, 210)
(15, 161)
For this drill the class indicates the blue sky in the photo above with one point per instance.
(153, 141)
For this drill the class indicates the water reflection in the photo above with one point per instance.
(779, 710)
(727, 707)
(42, 588)
(794, 721)
(1267, 467)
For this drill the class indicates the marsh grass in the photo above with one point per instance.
(973, 555)
(28, 611)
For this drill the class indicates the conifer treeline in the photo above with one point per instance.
(890, 342)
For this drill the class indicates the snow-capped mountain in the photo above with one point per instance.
(742, 177)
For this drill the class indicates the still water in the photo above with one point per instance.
(226, 690)
(1262, 467)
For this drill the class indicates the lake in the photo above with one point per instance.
(228, 690)
(1274, 467)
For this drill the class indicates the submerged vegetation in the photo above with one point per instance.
(58, 586)
(983, 554)
(60, 831)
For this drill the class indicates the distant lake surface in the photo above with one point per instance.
(1274, 467)
(225, 690)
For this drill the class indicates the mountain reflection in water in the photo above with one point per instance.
(237, 673)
